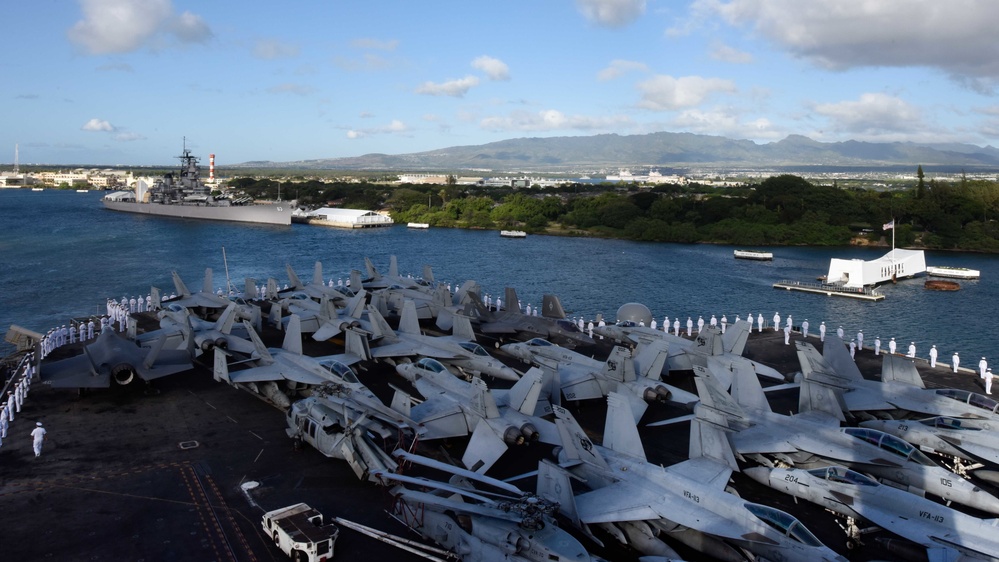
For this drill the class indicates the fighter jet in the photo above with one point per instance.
(511, 322)
(636, 500)
(113, 358)
(947, 534)
(377, 281)
(583, 378)
(967, 439)
(458, 349)
(316, 289)
(205, 298)
(178, 324)
(455, 408)
(481, 525)
(900, 394)
(709, 348)
(813, 438)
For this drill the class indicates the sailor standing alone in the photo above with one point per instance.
(38, 437)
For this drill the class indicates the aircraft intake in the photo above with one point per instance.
(123, 373)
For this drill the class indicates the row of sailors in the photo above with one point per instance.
(81, 331)
(130, 305)
(14, 399)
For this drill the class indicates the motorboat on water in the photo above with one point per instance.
(759, 255)
(513, 234)
(953, 272)
(418, 225)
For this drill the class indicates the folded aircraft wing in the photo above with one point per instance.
(441, 417)
(276, 372)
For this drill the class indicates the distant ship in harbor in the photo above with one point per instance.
(189, 198)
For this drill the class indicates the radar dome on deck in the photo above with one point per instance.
(635, 312)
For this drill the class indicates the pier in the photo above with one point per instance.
(862, 293)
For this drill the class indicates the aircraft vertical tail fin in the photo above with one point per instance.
(179, 285)
(620, 430)
(206, 286)
(428, 274)
(272, 288)
(226, 319)
(356, 343)
(409, 322)
(525, 393)
(393, 266)
(355, 306)
(576, 445)
(747, 390)
(274, 316)
(402, 402)
(482, 400)
(250, 289)
(836, 356)
(708, 437)
(260, 348)
(554, 484)
(713, 396)
(461, 327)
(651, 359)
(293, 279)
(356, 283)
(512, 302)
(900, 369)
(379, 327)
(317, 275)
(816, 397)
(293, 335)
(619, 365)
(462, 294)
(709, 342)
(155, 300)
(327, 310)
(221, 367)
(551, 307)
(735, 337)
(372, 272)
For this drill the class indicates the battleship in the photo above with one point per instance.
(188, 197)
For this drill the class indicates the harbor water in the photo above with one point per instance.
(62, 255)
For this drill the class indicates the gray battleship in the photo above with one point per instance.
(189, 198)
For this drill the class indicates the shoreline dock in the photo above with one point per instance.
(864, 293)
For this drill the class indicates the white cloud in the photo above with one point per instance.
(352, 134)
(721, 51)
(125, 136)
(552, 120)
(98, 125)
(456, 88)
(611, 13)
(957, 37)
(375, 44)
(270, 49)
(874, 116)
(394, 127)
(619, 67)
(123, 26)
(495, 69)
(726, 123)
(291, 88)
(666, 93)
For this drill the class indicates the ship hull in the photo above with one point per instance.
(275, 213)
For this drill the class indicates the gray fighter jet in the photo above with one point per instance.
(710, 348)
(113, 358)
(583, 378)
(635, 500)
(900, 394)
(512, 323)
(458, 349)
(495, 419)
(178, 324)
(968, 439)
(947, 535)
(205, 298)
(813, 438)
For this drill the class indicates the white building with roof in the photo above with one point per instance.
(896, 264)
(347, 218)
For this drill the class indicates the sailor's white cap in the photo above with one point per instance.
(39, 424)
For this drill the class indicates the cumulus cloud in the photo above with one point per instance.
(455, 88)
(611, 13)
(956, 37)
(551, 120)
(98, 125)
(393, 127)
(123, 26)
(726, 53)
(619, 67)
(725, 122)
(873, 116)
(495, 69)
(270, 49)
(666, 93)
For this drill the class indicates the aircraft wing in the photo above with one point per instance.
(578, 384)
(74, 372)
(498, 327)
(443, 418)
(408, 348)
(895, 368)
(760, 439)
(704, 470)
(276, 372)
(484, 448)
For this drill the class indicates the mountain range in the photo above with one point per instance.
(663, 149)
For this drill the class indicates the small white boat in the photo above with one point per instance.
(753, 255)
(513, 234)
(953, 272)
(417, 225)
(83, 191)
(37, 189)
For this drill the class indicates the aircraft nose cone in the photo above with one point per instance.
(759, 473)
(507, 373)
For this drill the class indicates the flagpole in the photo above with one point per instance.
(893, 239)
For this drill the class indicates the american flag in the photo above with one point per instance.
(889, 225)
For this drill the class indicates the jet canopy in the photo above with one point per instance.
(784, 522)
(944, 422)
(432, 365)
(842, 476)
(567, 325)
(889, 443)
(474, 348)
(538, 342)
(970, 398)
(340, 369)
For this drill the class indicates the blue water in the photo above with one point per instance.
(62, 255)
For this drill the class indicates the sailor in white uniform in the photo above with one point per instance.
(912, 349)
(877, 345)
(933, 356)
(804, 328)
(891, 346)
(822, 331)
(983, 365)
(38, 437)
(955, 361)
(776, 321)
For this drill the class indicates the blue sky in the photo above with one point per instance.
(122, 82)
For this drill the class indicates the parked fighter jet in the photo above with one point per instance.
(458, 349)
(947, 534)
(583, 378)
(636, 500)
(317, 289)
(112, 357)
(900, 394)
(481, 525)
(972, 440)
(455, 408)
(511, 322)
(178, 325)
(709, 349)
(205, 298)
(377, 281)
(813, 438)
